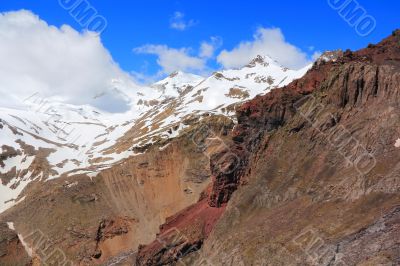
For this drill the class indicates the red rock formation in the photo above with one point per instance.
(181, 235)
(350, 80)
(193, 225)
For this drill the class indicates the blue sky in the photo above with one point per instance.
(309, 25)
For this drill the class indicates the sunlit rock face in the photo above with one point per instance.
(316, 165)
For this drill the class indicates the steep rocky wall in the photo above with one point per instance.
(12, 252)
(316, 179)
(321, 188)
(93, 220)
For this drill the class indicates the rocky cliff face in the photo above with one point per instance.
(12, 251)
(94, 220)
(312, 177)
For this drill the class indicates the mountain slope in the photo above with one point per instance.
(316, 179)
(48, 139)
(95, 185)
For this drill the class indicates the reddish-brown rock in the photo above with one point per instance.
(291, 173)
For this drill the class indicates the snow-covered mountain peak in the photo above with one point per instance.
(263, 60)
(176, 83)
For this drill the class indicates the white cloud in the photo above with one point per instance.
(171, 59)
(266, 41)
(144, 79)
(316, 55)
(178, 22)
(180, 59)
(207, 49)
(55, 62)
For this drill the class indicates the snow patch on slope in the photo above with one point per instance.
(397, 144)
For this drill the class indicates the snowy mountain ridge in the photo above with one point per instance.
(49, 139)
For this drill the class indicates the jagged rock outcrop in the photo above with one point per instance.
(316, 178)
(12, 251)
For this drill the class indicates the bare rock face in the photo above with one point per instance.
(329, 56)
(181, 235)
(102, 219)
(8, 152)
(321, 183)
(12, 252)
(315, 174)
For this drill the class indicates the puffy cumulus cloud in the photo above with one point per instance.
(54, 62)
(174, 59)
(207, 49)
(171, 59)
(182, 59)
(178, 22)
(266, 41)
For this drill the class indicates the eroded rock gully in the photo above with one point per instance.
(95, 220)
(316, 175)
